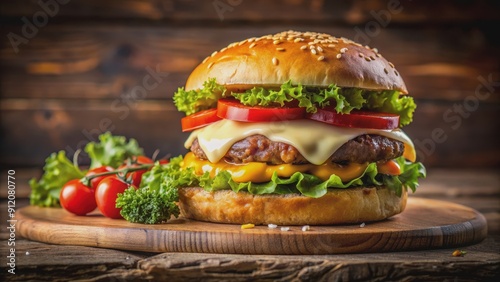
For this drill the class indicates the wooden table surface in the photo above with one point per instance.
(477, 189)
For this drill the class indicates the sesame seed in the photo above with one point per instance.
(242, 42)
(210, 65)
(280, 49)
(386, 71)
(391, 64)
(375, 50)
(213, 54)
(321, 58)
(373, 58)
(378, 55)
(310, 43)
(331, 45)
(205, 60)
(343, 50)
(320, 49)
(314, 51)
(396, 73)
(303, 47)
(296, 40)
(338, 56)
(252, 45)
(275, 61)
(276, 42)
(250, 40)
(361, 55)
(368, 59)
(223, 49)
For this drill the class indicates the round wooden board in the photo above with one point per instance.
(425, 224)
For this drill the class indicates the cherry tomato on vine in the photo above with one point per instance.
(137, 175)
(95, 181)
(77, 198)
(106, 193)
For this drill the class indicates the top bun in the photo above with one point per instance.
(307, 58)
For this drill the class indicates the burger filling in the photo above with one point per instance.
(284, 140)
(258, 148)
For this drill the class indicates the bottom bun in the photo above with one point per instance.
(338, 206)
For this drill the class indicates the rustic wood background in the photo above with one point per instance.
(73, 77)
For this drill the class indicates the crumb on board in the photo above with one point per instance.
(248, 226)
(459, 253)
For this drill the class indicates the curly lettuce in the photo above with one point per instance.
(306, 184)
(58, 170)
(343, 100)
(112, 150)
(194, 101)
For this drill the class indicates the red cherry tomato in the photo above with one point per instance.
(77, 198)
(137, 175)
(199, 119)
(106, 193)
(357, 119)
(95, 181)
(233, 110)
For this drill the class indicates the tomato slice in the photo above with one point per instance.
(234, 110)
(199, 119)
(357, 119)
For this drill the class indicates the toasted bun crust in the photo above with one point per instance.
(338, 206)
(274, 59)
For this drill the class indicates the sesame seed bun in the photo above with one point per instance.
(308, 58)
(338, 206)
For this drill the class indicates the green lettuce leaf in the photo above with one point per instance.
(58, 170)
(392, 102)
(193, 101)
(111, 150)
(312, 186)
(343, 100)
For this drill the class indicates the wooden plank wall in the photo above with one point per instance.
(73, 74)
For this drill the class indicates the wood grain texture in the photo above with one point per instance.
(261, 10)
(426, 224)
(47, 262)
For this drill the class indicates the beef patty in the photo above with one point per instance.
(258, 148)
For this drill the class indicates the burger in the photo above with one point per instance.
(296, 128)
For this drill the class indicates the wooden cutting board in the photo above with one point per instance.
(425, 224)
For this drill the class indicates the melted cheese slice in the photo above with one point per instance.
(316, 141)
(262, 172)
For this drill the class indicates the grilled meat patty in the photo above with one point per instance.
(258, 148)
